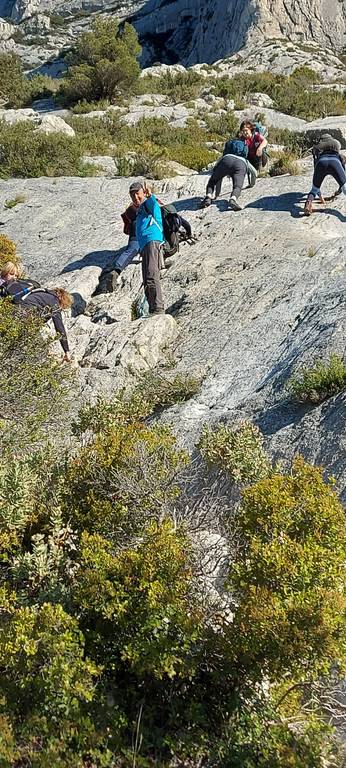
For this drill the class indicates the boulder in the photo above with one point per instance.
(260, 100)
(55, 124)
(6, 29)
(106, 164)
(14, 116)
(177, 169)
(336, 126)
(144, 347)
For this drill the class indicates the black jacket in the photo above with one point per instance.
(44, 302)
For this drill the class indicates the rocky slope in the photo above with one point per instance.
(207, 31)
(211, 29)
(262, 292)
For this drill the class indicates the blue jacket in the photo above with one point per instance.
(149, 222)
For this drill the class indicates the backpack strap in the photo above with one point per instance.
(152, 217)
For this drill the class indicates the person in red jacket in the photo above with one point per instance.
(255, 143)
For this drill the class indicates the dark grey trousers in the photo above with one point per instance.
(151, 261)
(227, 166)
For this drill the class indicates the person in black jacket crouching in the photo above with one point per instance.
(29, 296)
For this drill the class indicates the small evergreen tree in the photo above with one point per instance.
(103, 64)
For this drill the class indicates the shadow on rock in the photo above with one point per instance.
(285, 413)
(92, 259)
(188, 204)
(289, 201)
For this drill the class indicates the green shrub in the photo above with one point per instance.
(161, 392)
(31, 381)
(103, 64)
(285, 163)
(83, 107)
(322, 380)
(178, 86)
(14, 87)
(108, 487)
(46, 684)
(11, 203)
(27, 153)
(8, 251)
(289, 578)
(238, 452)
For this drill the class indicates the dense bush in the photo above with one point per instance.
(113, 649)
(238, 452)
(16, 90)
(31, 390)
(179, 86)
(324, 379)
(144, 147)
(25, 152)
(284, 163)
(8, 251)
(103, 64)
(289, 576)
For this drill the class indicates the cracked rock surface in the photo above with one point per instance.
(262, 292)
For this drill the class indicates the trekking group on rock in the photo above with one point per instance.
(155, 229)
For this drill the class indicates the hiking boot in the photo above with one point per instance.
(233, 203)
(156, 312)
(206, 202)
(308, 208)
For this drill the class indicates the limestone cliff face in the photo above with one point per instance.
(193, 31)
(208, 30)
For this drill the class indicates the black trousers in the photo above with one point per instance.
(227, 166)
(328, 165)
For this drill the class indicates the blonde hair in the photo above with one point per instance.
(65, 299)
(10, 268)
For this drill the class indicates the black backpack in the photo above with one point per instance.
(173, 224)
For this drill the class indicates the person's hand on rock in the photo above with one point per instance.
(259, 152)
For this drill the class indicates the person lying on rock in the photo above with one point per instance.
(328, 162)
(255, 143)
(149, 233)
(28, 296)
(237, 167)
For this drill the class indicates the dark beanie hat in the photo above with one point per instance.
(136, 186)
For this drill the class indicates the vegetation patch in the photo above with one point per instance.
(27, 153)
(238, 452)
(323, 379)
(11, 203)
(285, 163)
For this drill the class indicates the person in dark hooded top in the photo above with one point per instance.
(28, 296)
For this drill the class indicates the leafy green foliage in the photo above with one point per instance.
(113, 650)
(8, 251)
(27, 153)
(323, 379)
(179, 86)
(237, 452)
(16, 90)
(31, 380)
(143, 148)
(161, 392)
(109, 483)
(284, 163)
(289, 576)
(103, 64)
(45, 683)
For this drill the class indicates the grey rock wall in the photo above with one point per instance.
(262, 292)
